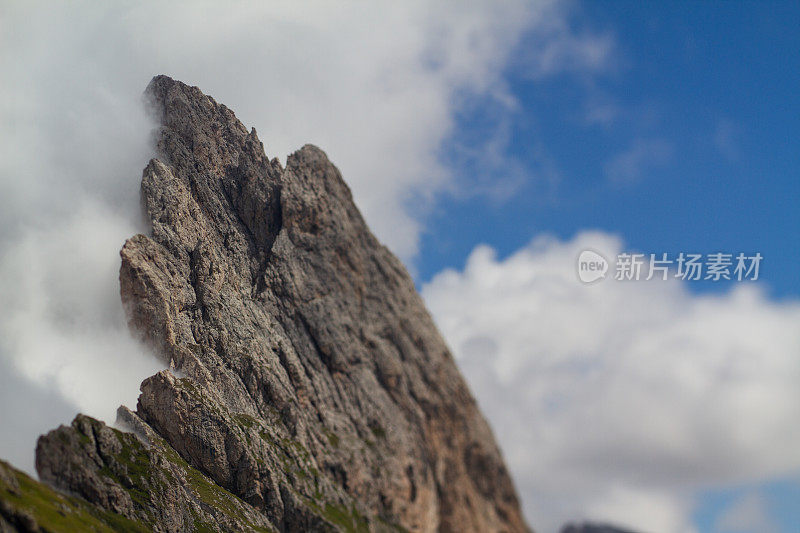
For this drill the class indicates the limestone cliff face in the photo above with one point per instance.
(308, 389)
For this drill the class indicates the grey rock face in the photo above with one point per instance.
(308, 383)
(139, 476)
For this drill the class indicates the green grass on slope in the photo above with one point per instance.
(56, 512)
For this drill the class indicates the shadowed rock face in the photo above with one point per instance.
(307, 379)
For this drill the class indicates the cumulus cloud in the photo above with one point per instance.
(376, 84)
(619, 401)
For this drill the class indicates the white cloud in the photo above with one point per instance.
(618, 401)
(557, 48)
(641, 156)
(657, 511)
(31, 407)
(63, 324)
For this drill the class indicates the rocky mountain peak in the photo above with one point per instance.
(308, 388)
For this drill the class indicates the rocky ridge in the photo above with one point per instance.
(308, 388)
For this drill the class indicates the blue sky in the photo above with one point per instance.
(705, 93)
(686, 140)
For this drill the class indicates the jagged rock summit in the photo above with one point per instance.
(308, 389)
